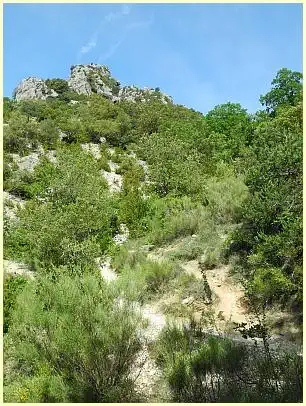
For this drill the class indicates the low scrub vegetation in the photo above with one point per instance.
(216, 369)
(221, 188)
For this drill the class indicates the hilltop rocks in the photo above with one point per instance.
(32, 89)
(133, 93)
(88, 79)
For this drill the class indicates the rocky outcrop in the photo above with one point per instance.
(134, 94)
(88, 79)
(33, 89)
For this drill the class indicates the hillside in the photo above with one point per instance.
(151, 253)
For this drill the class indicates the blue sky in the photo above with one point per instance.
(200, 54)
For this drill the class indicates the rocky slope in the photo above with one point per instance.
(87, 79)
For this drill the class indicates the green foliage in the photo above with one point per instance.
(132, 206)
(174, 168)
(59, 85)
(21, 135)
(286, 90)
(226, 173)
(103, 162)
(216, 369)
(11, 288)
(48, 134)
(270, 283)
(71, 331)
(124, 258)
(230, 130)
(75, 224)
(38, 109)
(225, 194)
(170, 218)
(144, 278)
(8, 107)
(271, 229)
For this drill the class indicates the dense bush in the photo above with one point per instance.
(59, 85)
(12, 286)
(271, 229)
(69, 341)
(21, 135)
(71, 220)
(215, 369)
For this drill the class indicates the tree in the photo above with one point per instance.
(230, 129)
(59, 85)
(271, 229)
(286, 90)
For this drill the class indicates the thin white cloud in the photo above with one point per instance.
(86, 48)
(113, 47)
(92, 43)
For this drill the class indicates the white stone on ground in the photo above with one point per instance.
(93, 149)
(113, 179)
(106, 270)
(113, 166)
(26, 163)
(13, 202)
(17, 269)
(123, 236)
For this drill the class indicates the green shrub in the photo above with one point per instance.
(170, 218)
(12, 286)
(71, 330)
(225, 196)
(158, 274)
(75, 223)
(132, 206)
(20, 135)
(270, 284)
(59, 85)
(103, 163)
(48, 134)
(124, 257)
(144, 278)
(8, 106)
(215, 369)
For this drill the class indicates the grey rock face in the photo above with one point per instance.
(88, 79)
(133, 94)
(32, 89)
(93, 78)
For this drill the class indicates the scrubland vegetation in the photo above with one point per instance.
(225, 187)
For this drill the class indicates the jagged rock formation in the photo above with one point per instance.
(33, 88)
(88, 79)
(133, 93)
